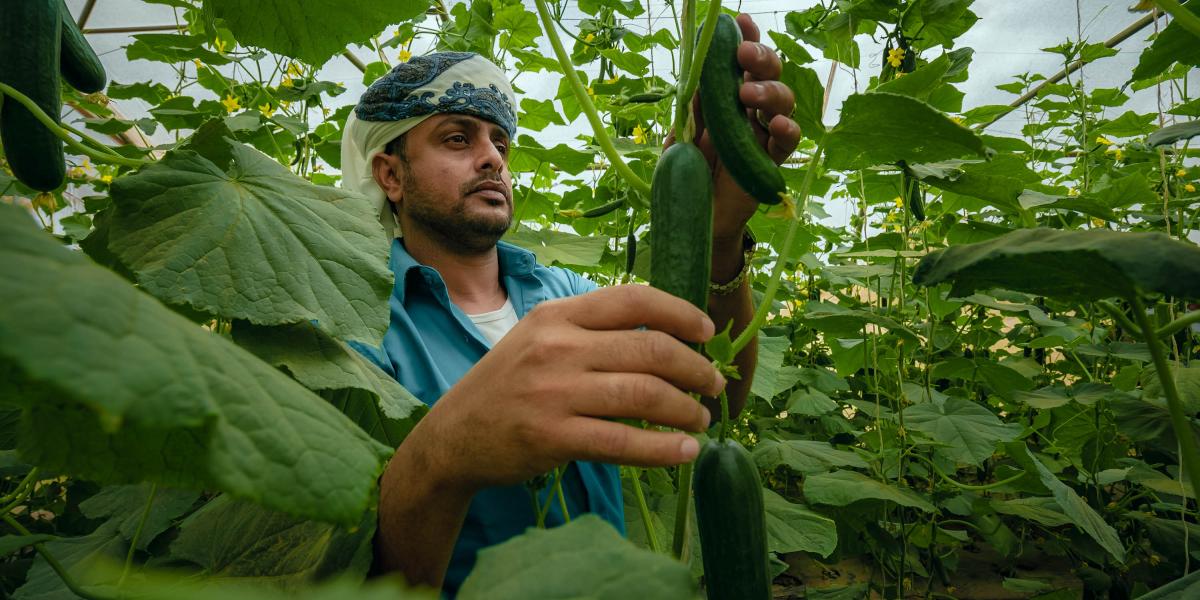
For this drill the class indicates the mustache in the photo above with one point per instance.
(476, 184)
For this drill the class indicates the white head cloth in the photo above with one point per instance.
(444, 82)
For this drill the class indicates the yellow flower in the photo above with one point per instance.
(591, 92)
(285, 104)
(231, 103)
(1189, 188)
(1181, 173)
(614, 79)
(77, 173)
(267, 110)
(1118, 155)
(1103, 140)
(589, 37)
(295, 70)
(639, 134)
(106, 178)
(220, 44)
(899, 202)
(405, 55)
(1097, 222)
(286, 81)
(895, 57)
(199, 65)
(1073, 192)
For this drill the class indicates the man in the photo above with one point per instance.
(526, 368)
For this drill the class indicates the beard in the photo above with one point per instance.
(457, 228)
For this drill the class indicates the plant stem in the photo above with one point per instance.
(760, 314)
(1178, 324)
(137, 535)
(18, 495)
(1179, 421)
(1119, 316)
(683, 101)
(724, 416)
(72, 143)
(1183, 16)
(585, 103)
(701, 50)
(55, 565)
(967, 486)
(683, 496)
(644, 509)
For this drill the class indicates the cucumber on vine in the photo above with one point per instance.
(681, 214)
(731, 518)
(726, 120)
(29, 59)
(80, 66)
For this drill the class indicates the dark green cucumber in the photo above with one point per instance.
(80, 66)
(726, 121)
(732, 522)
(29, 58)
(681, 224)
(916, 200)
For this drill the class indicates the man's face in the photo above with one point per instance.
(456, 183)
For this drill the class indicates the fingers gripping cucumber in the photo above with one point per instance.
(681, 224)
(726, 121)
(80, 66)
(29, 59)
(732, 521)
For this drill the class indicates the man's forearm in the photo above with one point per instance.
(737, 306)
(419, 518)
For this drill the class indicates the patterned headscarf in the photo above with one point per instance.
(444, 82)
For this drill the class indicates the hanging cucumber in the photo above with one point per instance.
(726, 121)
(29, 59)
(681, 224)
(732, 522)
(80, 66)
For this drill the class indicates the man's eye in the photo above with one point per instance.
(457, 138)
(503, 148)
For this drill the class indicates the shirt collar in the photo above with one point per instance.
(514, 262)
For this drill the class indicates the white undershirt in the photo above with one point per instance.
(493, 325)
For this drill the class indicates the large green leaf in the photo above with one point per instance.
(969, 430)
(1081, 514)
(552, 246)
(810, 95)
(118, 388)
(1174, 133)
(1174, 43)
(1187, 381)
(313, 30)
(1038, 509)
(804, 456)
(999, 181)
(586, 558)
(793, 528)
(842, 488)
(127, 506)
(247, 543)
(79, 556)
(882, 128)
(1074, 265)
(225, 229)
(322, 363)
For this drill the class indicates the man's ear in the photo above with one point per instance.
(388, 173)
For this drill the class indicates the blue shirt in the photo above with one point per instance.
(430, 344)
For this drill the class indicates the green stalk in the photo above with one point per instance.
(684, 132)
(1119, 316)
(59, 132)
(1178, 324)
(683, 496)
(967, 486)
(1179, 421)
(18, 495)
(137, 535)
(644, 510)
(760, 314)
(1183, 16)
(585, 103)
(701, 50)
(58, 567)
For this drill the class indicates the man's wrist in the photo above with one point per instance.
(731, 263)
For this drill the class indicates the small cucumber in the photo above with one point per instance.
(726, 121)
(29, 61)
(80, 66)
(681, 224)
(731, 518)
